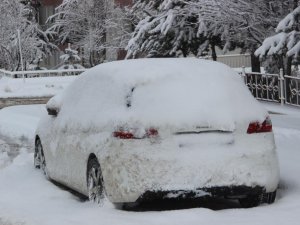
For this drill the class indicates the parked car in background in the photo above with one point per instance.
(168, 128)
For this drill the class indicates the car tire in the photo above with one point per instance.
(39, 157)
(95, 184)
(270, 197)
(251, 200)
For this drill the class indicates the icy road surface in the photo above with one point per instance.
(26, 197)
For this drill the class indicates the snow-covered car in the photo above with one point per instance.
(147, 128)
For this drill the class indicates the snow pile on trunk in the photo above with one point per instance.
(158, 92)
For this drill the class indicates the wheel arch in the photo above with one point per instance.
(37, 137)
(91, 157)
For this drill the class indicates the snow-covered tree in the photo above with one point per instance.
(70, 59)
(287, 38)
(184, 27)
(86, 23)
(35, 44)
(256, 20)
(285, 44)
(174, 27)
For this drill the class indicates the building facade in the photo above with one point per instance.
(46, 9)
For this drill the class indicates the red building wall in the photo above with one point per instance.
(124, 2)
(57, 2)
(51, 2)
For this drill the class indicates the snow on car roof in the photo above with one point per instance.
(179, 92)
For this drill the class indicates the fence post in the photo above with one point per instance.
(281, 80)
(244, 74)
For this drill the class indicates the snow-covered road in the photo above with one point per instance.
(26, 197)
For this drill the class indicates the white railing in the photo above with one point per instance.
(292, 90)
(278, 88)
(41, 73)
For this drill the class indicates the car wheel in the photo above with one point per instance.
(251, 201)
(269, 197)
(95, 182)
(39, 157)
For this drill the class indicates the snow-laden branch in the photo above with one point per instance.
(272, 45)
(287, 38)
(289, 21)
(185, 27)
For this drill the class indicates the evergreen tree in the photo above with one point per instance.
(192, 27)
(286, 41)
(70, 59)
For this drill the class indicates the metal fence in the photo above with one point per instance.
(292, 91)
(41, 73)
(277, 88)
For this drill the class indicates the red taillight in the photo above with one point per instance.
(256, 127)
(136, 135)
(123, 135)
(151, 132)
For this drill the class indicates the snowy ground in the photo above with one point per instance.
(26, 197)
(33, 87)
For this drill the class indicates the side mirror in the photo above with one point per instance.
(52, 111)
(53, 105)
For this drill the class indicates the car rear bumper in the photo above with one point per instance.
(225, 191)
(132, 169)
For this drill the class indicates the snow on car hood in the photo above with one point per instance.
(158, 92)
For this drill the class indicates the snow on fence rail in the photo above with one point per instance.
(41, 73)
(278, 88)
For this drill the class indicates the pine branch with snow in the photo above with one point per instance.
(191, 27)
(287, 39)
